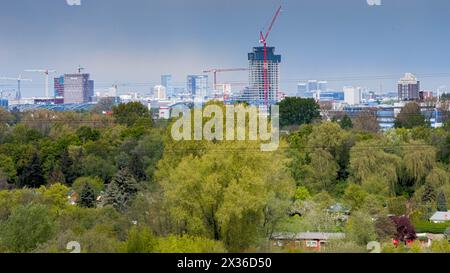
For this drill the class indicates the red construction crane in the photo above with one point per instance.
(219, 70)
(263, 40)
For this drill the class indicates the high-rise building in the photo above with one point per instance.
(322, 86)
(78, 88)
(166, 81)
(408, 88)
(59, 86)
(256, 91)
(3, 103)
(313, 86)
(302, 89)
(160, 92)
(197, 86)
(352, 95)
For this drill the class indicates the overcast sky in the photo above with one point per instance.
(135, 41)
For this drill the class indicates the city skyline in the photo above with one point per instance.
(342, 42)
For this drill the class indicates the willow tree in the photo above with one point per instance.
(418, 160)
(321, 173)
(373, 168)
(233, 193)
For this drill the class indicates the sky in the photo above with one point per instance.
(133, 42)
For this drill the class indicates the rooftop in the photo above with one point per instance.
(307, 236)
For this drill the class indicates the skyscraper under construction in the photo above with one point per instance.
(255, 93)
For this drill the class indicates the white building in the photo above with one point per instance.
(160, 92)
(352, 95)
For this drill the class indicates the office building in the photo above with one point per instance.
(322, 86)
(160, 92)
(302, 89)
(197, 86)
(4, 103)
(256, 91)
(408, 88)
(313, 86)
(166, 81)
(59, 86)
(332, 96)
(78, 88)
(352, 95)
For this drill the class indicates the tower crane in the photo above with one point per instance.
(263, 40)
(46, 73)
(19, 80)
(220, 70)
(80, 69)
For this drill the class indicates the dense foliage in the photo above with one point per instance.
(120, 183)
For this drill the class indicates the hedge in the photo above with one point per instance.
(428, 227)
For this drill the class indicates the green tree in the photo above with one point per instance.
(346, 122)
(360, 228)
(32, 174)
(441, 202)
(121, 191)
(86, 133)
(217, 197)
(26, 228)
(87, 197)
(322, 171)
(354, 196)
(410, 116)
(8, 171)
(140, 240)
(374, 169)
(298, 111)
(129, 114)
(95, 183)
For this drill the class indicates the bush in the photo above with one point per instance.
(26, 228)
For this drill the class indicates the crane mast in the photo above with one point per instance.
(263, 40)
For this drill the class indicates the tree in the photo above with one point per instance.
(32, 175)
(8, 171)
(366, 121)
(121, 191)
(346, 122)
(217, 197)
(385, 228)
(87, 134)
(321, 172)
(441, 202)
(129, 114)
(360, 228)
(374, 169)
(298, 111)
(429, 193)
(95, 183)
(69, 167)
(410, 116)
(354, 196)
(95, 166)
(405, 230)
(87, 197)
(26, 228)
(140, 240)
